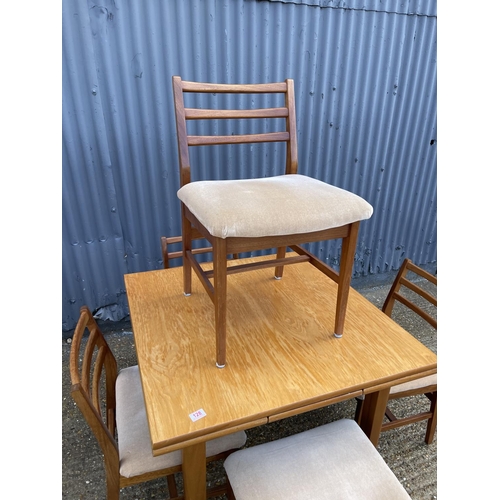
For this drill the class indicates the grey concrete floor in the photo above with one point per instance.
(413, 462)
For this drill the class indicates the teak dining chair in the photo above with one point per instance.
(335, 461)
(113, 406)
(418, 299)
(278, 212)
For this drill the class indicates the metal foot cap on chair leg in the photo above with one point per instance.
(277, 277)
(219, 366)
(187, 294)
(337, 336)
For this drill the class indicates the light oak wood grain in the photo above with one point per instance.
(283, 358)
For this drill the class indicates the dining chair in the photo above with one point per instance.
(422, 300)
(280, 211)
(113, 406)
(335, 461)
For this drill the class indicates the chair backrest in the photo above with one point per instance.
(93, 373)
(286, 112)
(409, 300)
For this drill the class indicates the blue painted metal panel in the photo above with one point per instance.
(411, 7)
(365, 78)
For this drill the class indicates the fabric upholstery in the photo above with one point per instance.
(134, 443)
(333, 461)
(415, 384)
(271, 206)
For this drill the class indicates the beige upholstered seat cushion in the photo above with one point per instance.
(271, 206)
(415, 384)
(134, 443)
(333, 461)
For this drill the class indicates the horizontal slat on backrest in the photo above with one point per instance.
(201, 140)
(203, 114)
(227, 88)
(421, 272)
(420, 291)
(415, 308)
(256, 108)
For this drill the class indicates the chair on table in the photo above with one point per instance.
(245, 215)
(335, 461)
(418, 301)
(112, 404)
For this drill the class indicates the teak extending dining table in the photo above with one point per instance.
(282, 357)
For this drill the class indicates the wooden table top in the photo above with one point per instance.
(282, 357)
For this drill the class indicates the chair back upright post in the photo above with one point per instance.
(291, 154)
(292, 160)
(96, 369)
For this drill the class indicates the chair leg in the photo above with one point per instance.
(432, 422)
(113, 492)
(172, 486)
(280, 254)
(229, 492)
(112, 468)
(359, 409)
(220, 299)
(112, 486)
(346, 264)
(186, 246)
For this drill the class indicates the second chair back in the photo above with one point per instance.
(401, 280)
(419, 294)
(112, 403)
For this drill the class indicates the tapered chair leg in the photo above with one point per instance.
(172, 487)
(346, 264)
(112, 467)
(280, 254)
(432, 422)
(113, 492)
(229, 492)
(359, 409)
(220, 299)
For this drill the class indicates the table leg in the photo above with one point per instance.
(373, 413)
(194, 471)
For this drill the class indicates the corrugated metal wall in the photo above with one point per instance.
(365, 81)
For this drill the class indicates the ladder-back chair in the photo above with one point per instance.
(278, 212)
(423, 301)
(113, 406)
